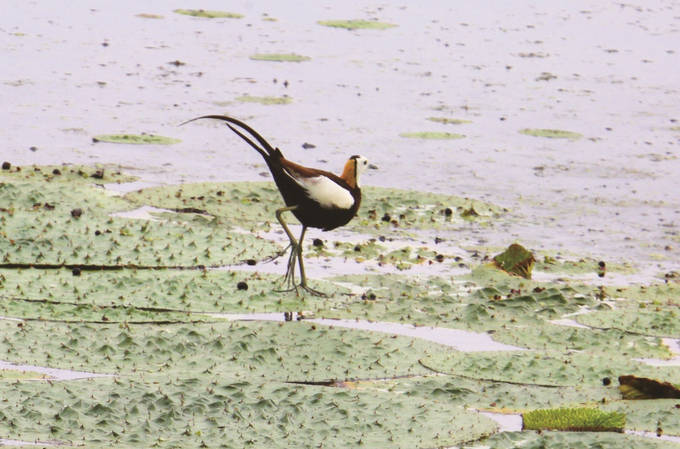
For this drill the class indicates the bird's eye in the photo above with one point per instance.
(365, 162)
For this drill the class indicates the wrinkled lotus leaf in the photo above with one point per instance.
(633, 387)
(100, 174)
(51, 223)
(448, 121)
(663, 322)
(574, 419)
(655, 416)
(208, 14)
(185, 291)
(279, 57)
(253, 205)
(265, 100)
(356, 24)
(276, 351)
(544, 368)
(516, 260)
(143, 139)
(551, 133)
(572, 440)
(209, 410)
(434, 135)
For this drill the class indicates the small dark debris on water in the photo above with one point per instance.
(318, 243)
(386, 218)
(242, 285)
(370, 296)
(438, 240)
(440, 258)
(308, 146)
(601, 268)
(251, 262)
(6, 165)
(76, 271)
(177, 63)
(448, 212)
(33, 149)
(56, 172)
(77, 212)
(471, 212)
(606, 381)
(99, 174)
(48, 206)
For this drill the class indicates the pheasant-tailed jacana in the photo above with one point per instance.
(317, 198)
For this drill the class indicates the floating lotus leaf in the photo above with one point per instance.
(135, 139)
(449, 121)
(633, 387)
(265, 100)
(279, 57)
(356, 24)
(208, 14)
(544, 368)
(551, 133)
(435, 135)
(663, 322)
(202, 409)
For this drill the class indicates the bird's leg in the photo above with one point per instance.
(295, 254)
(303, 277)
(289, 278)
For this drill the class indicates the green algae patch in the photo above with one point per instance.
(279, 57)
(516, 260)
(551, 133)
(432, 135)
(356, 24)
(135, 139)
(448, 120)
(574, 419)
(209, 14)
(265, 100)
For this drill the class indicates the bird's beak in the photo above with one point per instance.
(372, 166)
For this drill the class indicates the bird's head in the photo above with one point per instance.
(354, 167)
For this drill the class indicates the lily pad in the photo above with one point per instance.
(574, 419)
(432, 135)
(265, 100)
(551, 133)
(448, 121)
(143, 139)
(279, 57)
(356, 24)
(209, 14)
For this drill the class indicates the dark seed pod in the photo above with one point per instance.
(242, 285)
(318, 243)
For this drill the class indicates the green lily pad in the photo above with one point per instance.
(551, 133)
(208, 14)
(265, 100)
(574, 419)
(432, 135)
(356, 24)
(279, 57)
(143, 139)
(663, 322)
(448, 121)
(547, 369)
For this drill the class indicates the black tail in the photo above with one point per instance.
(266, 151)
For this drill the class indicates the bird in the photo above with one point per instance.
(317, 198)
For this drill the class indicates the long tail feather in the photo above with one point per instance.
(267, 149)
